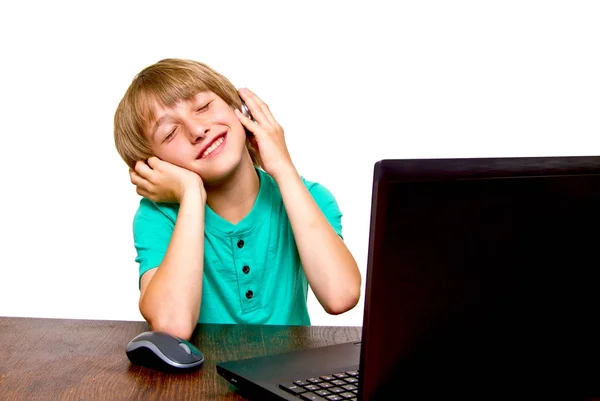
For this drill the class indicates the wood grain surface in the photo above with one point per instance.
(60, 359)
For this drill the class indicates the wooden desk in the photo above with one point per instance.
(58, 359)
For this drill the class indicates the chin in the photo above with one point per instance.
(217, 172)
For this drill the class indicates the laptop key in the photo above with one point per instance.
(347, 395)
(352, 373)
(311, 387)
(340, 375)
(325, 385)
(334, 397)
(301, 383)
(292, 388)
(322, 393)
(311, 397)
(327, 377)
(351, 380)
(314, 380)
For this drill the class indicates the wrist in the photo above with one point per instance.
(285, 173)
(192, 193)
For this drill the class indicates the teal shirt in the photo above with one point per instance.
(252, 270)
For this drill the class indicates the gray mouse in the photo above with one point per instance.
(161, 351)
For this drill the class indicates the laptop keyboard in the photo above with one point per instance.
(334, 387)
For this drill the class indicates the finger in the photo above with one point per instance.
(143, 170)
(142, 192)
(139, 181)
(253, 97)
(248, 123)
(154, 162)
(259, 109)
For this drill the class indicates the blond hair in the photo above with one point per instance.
(166, 82)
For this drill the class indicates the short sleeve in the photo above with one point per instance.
(327, 203)
(152, 230)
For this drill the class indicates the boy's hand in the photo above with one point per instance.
(161, 181)
(268, 135)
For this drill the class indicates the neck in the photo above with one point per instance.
(234, 197)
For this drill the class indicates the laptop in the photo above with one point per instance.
(482, 283)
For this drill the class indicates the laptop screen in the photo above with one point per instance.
(483, 272)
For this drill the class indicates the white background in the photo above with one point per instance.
(350, 82)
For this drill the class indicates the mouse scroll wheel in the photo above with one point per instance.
(185, 348)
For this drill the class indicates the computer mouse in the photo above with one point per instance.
(161, 351)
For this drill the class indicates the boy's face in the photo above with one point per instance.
(201, 134)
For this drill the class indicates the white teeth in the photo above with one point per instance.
(213, 146)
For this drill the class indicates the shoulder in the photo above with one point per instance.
(151, 213)
(319, 192)
(322, 196)
(326, 202)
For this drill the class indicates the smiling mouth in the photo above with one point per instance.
(218, 142)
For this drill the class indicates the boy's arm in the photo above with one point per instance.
(170, 295)
(329, 266)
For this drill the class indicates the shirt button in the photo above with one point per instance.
(249, 294)
(246, 269)
(240, 243)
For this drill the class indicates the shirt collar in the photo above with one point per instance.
(261, 208)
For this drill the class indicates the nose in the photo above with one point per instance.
(198, 131)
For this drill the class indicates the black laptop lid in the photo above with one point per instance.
(482, 279)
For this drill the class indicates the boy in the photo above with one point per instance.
(226, 231)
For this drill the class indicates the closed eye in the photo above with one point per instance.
(169, 136)
(203, 108)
